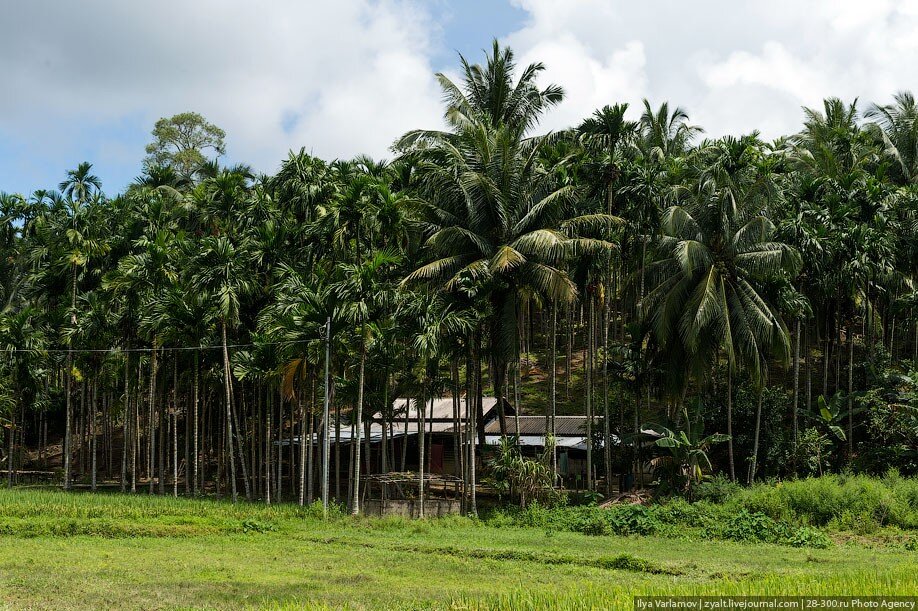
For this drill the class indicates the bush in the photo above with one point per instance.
(809, 537)
(716, 489)
(750, 527)
(840, 501)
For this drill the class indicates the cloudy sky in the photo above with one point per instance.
(86, 80)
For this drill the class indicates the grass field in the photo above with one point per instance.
(61, 551)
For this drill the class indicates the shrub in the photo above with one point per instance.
(809, 537)
(717, 489)
(842, 501)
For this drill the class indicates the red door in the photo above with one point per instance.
(436, 458)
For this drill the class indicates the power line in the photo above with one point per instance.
(159, 349)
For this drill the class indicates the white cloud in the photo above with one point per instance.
(349, 76)
(735, 66)
(337, 77)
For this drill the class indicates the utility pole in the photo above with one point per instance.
(325, 440)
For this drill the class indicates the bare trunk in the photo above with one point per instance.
(421, 411)
(755, 442)
(730, 423)
(850, 391)
(303, 462)
(588, 371)
(197, 398)
(228, 431)
(355, 507)
(796, 404)
(151, 421)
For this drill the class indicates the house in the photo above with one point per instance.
(570, 441)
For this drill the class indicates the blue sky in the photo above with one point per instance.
(86, 81)
(114, 144)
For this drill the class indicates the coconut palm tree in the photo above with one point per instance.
(493, 214)
(716, 261)
(896, 125)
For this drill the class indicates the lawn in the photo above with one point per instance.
(103, 551)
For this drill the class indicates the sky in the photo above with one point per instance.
(85, 81)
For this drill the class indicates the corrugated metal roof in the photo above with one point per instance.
(565, 426)
(440, 409)
(538, 441)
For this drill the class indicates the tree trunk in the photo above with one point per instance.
(796, 404)
(553, 389)
(355, 507)
(269, 448)
(850, 390)
(421, 411)
(92, 433)
(588, 375)
(606, 430)
(304, 463)
(228, 431)
(196, 434)
(126, 417)
(730, 423)
(151, 421)
(755, 442)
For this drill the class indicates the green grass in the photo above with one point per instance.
(103, 551)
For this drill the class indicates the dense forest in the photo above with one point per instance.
(753, 302)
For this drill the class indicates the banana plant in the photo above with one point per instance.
(686, 462)
(830, 413)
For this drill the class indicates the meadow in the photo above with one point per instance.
(71, 551)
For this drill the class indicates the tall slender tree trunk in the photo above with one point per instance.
(606, 429)
(151, 420)
(126, 417)
(850, 338)
(175, 452)
(303, 461)
(730, 457)
(588, 375)
(553, 390)
(195, 433)
(68, 417)
(311, 433)
(355, 507)
(228, 441)
(240, 445)
(755, 444)
(269, 451)
(92, 434)
(826, 356)
(405, 438)
(421, 411)
(796, 404)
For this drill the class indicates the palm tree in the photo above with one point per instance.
(23, 338)
(80, 184)
(363, 293)
(494, 215)
(436, 321)
(664, 133)
(79, 187)
(223, 273)
(897, 127)
(717, 259)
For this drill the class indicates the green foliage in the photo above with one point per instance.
(404, 563)
(813, 452)
(182, 142)
(716, 489)
(687, 462)
(675, 518)
(839, 501)
(524, 478)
